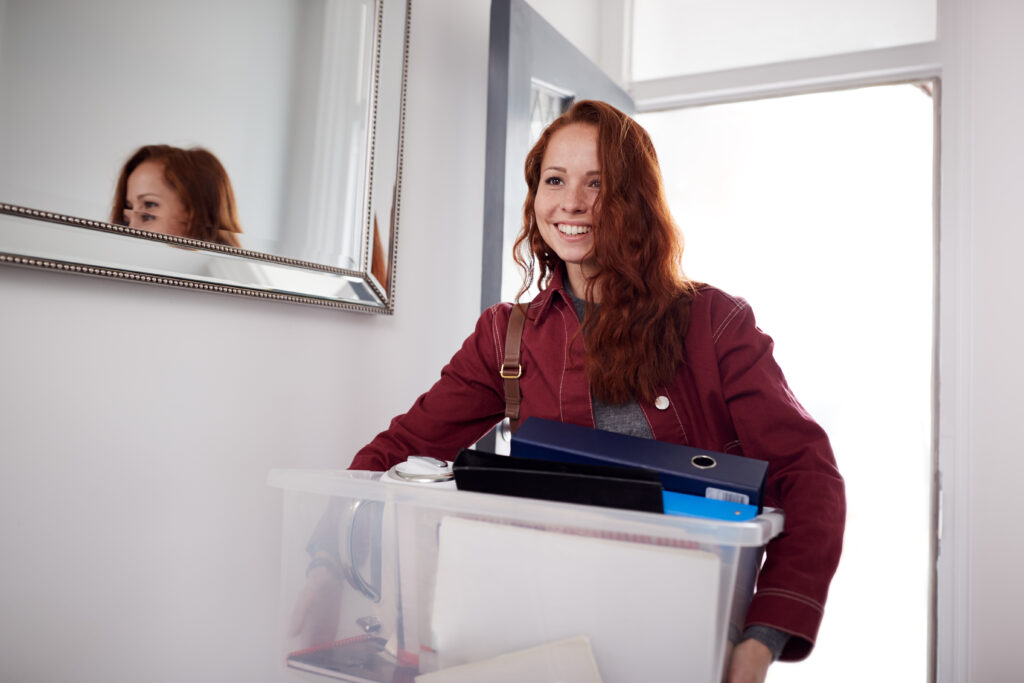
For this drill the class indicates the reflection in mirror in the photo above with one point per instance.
(174, 191)
(547, 103)
(301, 101)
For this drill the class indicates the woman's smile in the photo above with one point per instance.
(573, 229)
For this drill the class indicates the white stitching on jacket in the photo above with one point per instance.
(497, 338)
(798, 597)
(675, 412)
(565, 357)
(738, 306)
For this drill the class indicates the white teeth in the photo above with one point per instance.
(573, 229)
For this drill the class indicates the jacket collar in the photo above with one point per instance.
(556, 288)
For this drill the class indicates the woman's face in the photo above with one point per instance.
(565, 204)
(151, 204)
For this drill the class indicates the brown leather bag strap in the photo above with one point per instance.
(511, 370)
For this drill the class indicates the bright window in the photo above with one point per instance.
(818, 210)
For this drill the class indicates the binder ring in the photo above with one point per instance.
(703, 461)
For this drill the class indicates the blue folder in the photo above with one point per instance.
(697, 506)
(682, 469)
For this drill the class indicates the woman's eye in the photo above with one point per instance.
(147, 217)
(595, 184)
(150, 205)
(553, 181)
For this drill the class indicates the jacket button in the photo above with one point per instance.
(661, 403)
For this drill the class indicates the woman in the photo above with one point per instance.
(173, 191)
(619, 339)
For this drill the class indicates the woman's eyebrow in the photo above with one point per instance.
(562, 170)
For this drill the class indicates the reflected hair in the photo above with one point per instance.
(634, 338)
(202, 185)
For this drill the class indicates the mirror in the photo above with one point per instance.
(302, 102)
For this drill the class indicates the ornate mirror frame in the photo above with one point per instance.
(43, 238)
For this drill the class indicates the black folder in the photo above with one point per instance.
(629, 488)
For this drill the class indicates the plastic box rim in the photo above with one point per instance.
(367, 485)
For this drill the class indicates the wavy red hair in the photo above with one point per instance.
(634, 339)
(201, 183)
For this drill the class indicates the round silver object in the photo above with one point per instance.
(443, 473)
(703, 461)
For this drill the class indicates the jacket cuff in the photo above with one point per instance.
(787, 611)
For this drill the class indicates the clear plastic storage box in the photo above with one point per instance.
(385, 582)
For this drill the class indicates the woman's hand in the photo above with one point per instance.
(318, 609)
(749, 663)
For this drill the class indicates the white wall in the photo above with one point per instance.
(577, 20)
(989, 108)
(596, 28)
(138, 423)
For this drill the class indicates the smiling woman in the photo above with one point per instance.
(300, 101)
(620, 340)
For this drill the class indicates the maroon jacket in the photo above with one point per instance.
(729, 396)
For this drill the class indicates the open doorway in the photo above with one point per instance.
(818, 209)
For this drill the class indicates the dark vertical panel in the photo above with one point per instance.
(494, 170)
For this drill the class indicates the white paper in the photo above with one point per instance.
(567, 661)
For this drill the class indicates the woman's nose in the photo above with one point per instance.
(575, 200)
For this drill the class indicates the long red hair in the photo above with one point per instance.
(201, 182)
(634, 338)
